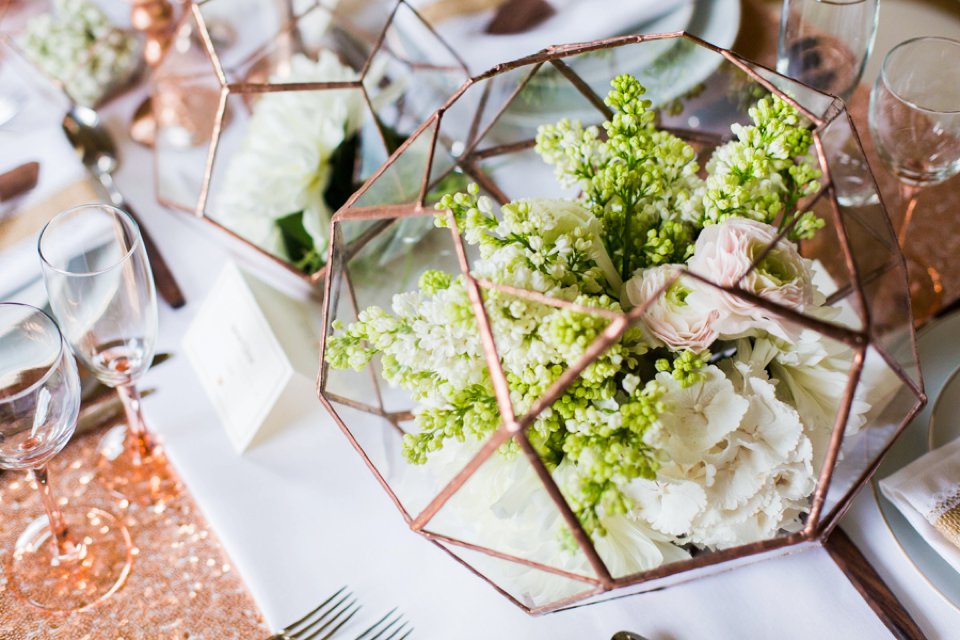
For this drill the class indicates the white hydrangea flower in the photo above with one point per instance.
(282, 166)
(737, 473)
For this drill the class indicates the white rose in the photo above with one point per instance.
(723, 254)
(676, 318)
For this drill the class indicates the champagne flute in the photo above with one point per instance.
(73, 557)
(915, 124)
(102, 292)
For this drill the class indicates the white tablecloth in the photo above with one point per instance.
(300, 515)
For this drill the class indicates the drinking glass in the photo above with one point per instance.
(101, 291)
(826, 43)
(915, 125)
(73, 557)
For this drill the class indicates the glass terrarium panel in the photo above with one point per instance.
(459, 130)
(833, 277)
(400, 181)
(849, 170)
(185, 94)
(889, 305)
(522, 173)
(657, 64)
(356, 397)
(282, 165)
(883, 398)
(496, 95)
(331, 54)
(722, 97)
(532, 588)
(505, 507)
(360, 399)
(542, 98)
(454, 364)
(242, 31)
(411, 56)
(820, 105)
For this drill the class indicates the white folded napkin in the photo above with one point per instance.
(573, 21)
(927, 492)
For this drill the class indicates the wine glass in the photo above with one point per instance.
(73, 557)
(102, 292)
(915, 124)
(826, 43)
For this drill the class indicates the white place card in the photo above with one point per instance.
(255, 351)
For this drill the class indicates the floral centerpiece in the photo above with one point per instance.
(655, 370)
(707, 423)
(78, 46)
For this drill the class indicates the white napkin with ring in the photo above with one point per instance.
(927, 492)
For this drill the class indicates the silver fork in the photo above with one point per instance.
(335, 610)
(392, 623)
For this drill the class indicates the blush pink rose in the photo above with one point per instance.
(675, 317)
(723, 254)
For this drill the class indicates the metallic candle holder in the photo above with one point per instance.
(486, 131)
(225, 55)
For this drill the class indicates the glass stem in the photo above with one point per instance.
(140, 440)
(909, 194)
(64, 545)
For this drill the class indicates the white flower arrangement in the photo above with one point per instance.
(79, 46)
(704, 426)
(274, 189)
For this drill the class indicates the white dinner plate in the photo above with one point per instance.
(937, 424)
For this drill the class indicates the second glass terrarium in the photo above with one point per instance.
(270, 114)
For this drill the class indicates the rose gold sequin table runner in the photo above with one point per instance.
(182, 585)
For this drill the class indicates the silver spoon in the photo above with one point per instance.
(98, 153)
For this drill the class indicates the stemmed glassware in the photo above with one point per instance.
(101, 291)
(915, 125)
(826, 43)
(73, 557)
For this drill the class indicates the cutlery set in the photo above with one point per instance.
(331, 615)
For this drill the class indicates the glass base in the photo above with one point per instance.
(926, 290)
(142, 476)
(89, 574)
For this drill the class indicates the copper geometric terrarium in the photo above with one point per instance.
(485, 132)
(249, 96)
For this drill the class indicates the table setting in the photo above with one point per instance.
(533, 318)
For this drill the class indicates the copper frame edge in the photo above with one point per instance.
(489, 551)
